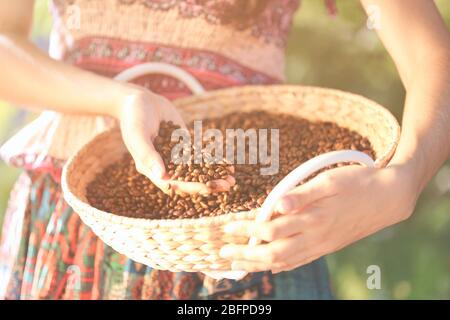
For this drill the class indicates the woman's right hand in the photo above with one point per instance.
(140, 115)
(72, 90)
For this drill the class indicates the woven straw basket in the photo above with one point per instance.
(193, 244)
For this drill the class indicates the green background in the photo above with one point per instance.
(340, 52)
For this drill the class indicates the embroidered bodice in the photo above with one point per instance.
(209, 26)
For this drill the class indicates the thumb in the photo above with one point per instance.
(149, 163)
(304, 195)
(147, 160)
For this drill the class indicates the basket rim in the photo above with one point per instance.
(292, 88)
(81, 207)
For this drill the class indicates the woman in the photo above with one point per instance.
(222, 43)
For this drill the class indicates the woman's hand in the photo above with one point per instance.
(331, 211)
(140, 115)
(72, 90)
(343, 205)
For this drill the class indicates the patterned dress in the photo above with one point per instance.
(46, 252)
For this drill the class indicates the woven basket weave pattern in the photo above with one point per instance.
(194, 244)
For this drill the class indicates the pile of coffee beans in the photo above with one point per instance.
(121, 190)
(191, 171)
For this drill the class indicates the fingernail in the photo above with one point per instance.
(226, 252)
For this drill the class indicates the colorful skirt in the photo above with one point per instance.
(47, 252)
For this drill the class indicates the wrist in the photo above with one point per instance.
(128, 94)
(411, 162)
(408, 183)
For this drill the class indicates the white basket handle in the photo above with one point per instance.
(297, 175)
(153, 68)
(161, 68)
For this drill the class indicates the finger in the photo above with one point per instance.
(182, 187)
(252, 266)
(222, 185)
(163, 184)
(278, 228)
(305, 256)
(293, 262)
(305, 194)
(269, 253)
(298, 262)
(147, 159)
(137, 137)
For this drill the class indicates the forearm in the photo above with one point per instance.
(30, 78)
(425, 140)
(418, 40)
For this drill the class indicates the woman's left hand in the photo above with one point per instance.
(331, 211)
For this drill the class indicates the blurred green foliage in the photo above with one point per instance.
(340, 52)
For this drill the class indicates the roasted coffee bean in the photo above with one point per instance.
(190, 171)
(121, 190)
